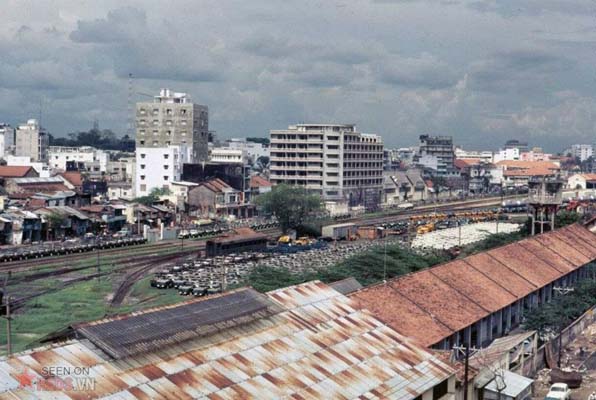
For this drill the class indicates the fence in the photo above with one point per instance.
(547, 355)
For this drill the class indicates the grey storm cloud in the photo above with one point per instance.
(474, 69)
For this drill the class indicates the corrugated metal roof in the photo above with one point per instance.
(319, 346)
(434, 304)
(146, 331)
(346, 286)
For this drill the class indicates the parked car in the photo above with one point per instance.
(559, 391)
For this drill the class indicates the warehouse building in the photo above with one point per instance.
(303, 342)
(479, 298)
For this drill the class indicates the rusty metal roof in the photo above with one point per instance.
(433, 304)
(145, 331)
(320, 346)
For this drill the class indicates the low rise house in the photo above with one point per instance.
(404, 186)
(582, 181)
(21, 226)
(16, 171)
(217, 198)
(62, 221)
(258, 185)
(120, 190)
(518, 173)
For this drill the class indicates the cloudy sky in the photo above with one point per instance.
(480, 70)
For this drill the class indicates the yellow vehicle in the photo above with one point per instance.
(425, 228)
(303, 241)
(284, 240)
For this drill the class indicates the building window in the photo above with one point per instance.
(155, 142)
(169, 111)
(155, 133)
(166, 166)
(169, 132)
(142, 155)
(142, 177)
(166, 156)
(165, 177)
(142, 166)
(183, 112)
(143, 188)
(168, 143)
(142, 142)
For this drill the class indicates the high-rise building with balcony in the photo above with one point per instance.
(173, 120)
(334, 161)
(437, 153)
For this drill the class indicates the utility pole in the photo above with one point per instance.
(8, 328)
(467, 352)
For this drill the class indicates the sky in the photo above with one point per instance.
(483, 71)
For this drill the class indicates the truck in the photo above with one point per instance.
(345, 231)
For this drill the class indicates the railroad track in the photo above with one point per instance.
(145, 264)
(111, 255)
(134, 276)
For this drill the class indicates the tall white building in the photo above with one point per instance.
(31, 141)
(582, 151)
(7, 133)
(509, 154)
(158, 167)
(171, 120)
(334, 161)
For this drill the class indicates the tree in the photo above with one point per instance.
(262, 163)
(153, 196)
(291, 205)
(261, 140)
(55, 222)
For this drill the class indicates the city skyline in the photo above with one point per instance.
(482, 72)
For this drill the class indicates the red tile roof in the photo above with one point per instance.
(476, 286)
(215, 185)
(528, 168)
(14, 171)
(258, 181)
(465, 163)
(74, 177)
(462, 292)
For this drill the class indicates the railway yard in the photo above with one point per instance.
(51, 292)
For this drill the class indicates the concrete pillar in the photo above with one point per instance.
(500, 323)
(468, 336)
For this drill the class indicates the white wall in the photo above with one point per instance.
(158, 167)
(41, 168)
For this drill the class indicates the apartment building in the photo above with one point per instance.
(32, 141)
(7, 133)
(172, 120)
(581, 151)
(334, 161)
(158, 167)
(437, 153)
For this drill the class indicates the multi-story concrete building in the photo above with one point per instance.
(61, 156)
(581, 151)
(7, 133)
(32, 141)
(122, 169)
(437, 153)
(334, 161)
(158, 167)
(172, 120)
(226, 155)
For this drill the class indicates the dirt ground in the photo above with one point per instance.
(576, 359)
